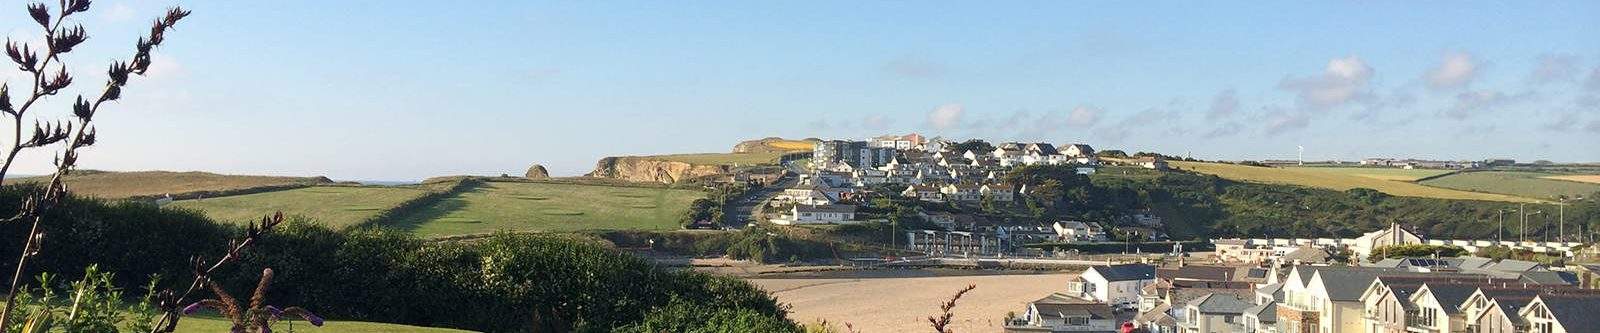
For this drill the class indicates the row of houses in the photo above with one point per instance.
(1238, 250)
(1406, 295)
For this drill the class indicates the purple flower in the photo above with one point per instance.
(313, 318)
(274, 311)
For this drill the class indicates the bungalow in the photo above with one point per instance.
(1060, 313)
(1073, 231)
(924, 193)
(1153, 162)
(807, 195)
(997, 192)
(1115, 285)
(820, 214)
(961, 192)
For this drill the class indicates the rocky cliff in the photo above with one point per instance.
(647, 170)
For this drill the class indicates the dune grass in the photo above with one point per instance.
(218, 325)
(721, 158)
(1395, 174)
(558, 207)
(1519, 183)
(1336, 181)
(335, 206)
(118, 185)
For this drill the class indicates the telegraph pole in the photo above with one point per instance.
(1500, 235)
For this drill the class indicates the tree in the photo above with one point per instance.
(974, 145)
(1112, 153)
(1415, 250)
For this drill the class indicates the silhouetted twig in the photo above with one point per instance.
(941, 322)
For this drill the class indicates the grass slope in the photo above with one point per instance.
(213, 325)
(1394, 174)
(721, 158)
(1335, 181)
(1520, 183)
(335, 206)
(526, 206)
(118, 185)
(1593, 179)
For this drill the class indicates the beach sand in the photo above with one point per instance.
(883, 302)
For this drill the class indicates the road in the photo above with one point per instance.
(744, 208)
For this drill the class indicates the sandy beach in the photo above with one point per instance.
(877, 302)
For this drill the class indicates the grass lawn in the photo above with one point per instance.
(1520, 183)
(117, 185)
(721, 158)
(335, 206)
(218, 325)
(1335, 181)
(1395, 174)
(551, 207)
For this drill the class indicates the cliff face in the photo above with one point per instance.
(647, 170)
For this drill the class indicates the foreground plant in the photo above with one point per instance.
(259, 316)
(169, 300)
(941, 322)
(91, 304)
(48, 72)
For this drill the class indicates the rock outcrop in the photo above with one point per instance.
(641, 169)
(537, 172)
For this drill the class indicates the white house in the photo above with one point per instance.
(1395, 235)
(822, 214)
(1078, 231)
(1218, 312)
(1059, 313)
(1561, 313)
(961, 192)
(806, 195)
(998, 192)
(924, 193)
(1115, 285)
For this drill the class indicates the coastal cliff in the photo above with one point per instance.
(642, 169)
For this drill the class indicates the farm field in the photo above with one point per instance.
(903, 304)
(1594, 179)
(1394, 174)
(118, 185)
(334, 206)
(217, 324)
(551, 207)
(1336, 181)
(1520, 183)
(792, 145)
(721, 158)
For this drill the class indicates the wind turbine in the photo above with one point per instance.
(1302, 154)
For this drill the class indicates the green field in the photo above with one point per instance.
(118, 185)
(721, 158)
(1519, 183)
(551, 207)
(1335, 181)
(218, 325)
(1395, 174)
(335, 206)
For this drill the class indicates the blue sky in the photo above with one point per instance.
(390, 90)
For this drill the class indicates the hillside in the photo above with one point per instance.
(334, 206)
(775, 145)
(549, 206)
(1520, 183)
(149, 184)
(1338, 181)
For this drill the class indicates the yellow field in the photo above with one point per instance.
(1335, 181)
(721, 158)
(1578, 178)
(796, 145)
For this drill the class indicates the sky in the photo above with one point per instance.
(397, 90)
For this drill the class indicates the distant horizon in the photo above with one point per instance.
(408, 91)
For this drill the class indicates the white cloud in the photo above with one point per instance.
(1457, 69)
(1223, 105)
(1555, 68)
(1343, 80)
(1470, 103)
(1083, 116)
(1283, 120)
(946, 116)
(119, 12)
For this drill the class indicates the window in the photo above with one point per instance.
(1079, 321)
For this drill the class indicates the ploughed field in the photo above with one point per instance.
(530, 206)
(1340, 180)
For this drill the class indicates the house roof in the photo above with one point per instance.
(1220, 303)
(1126, 272)
(1210, 273)
(1307, 254)
(1550, 277)
(1264, 312)
(1230, 241)
(1450, 296)
(1061, 306)
(1575, 312)
(1157, 315)
(1509, 265)
(825, 208)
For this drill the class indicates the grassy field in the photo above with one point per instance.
(117, 185)
(792, 145)
(721, 158)
(336, 206)
(551, 207)
(1519, 183)
(217, 325)
(1594, 179)
(1335, 181)
(1395, 174)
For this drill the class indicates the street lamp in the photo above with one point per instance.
(1500, 234)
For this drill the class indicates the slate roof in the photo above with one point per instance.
(1450, 296)
(1209, 273)
(1307, 254)
(1157, 315)
(1575, 312)
(1126, 272)
(1275, 289)
(1061, 306)
(1265, 312)
(1509, 265)
(825, 208)
(1550, 278)
(1220, 303)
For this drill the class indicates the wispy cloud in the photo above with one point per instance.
(946, 116)
(1555, 68)
(1341, 81)
(1281, 120)
(1223, 105)
(1083, 116)
(1455, 70)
